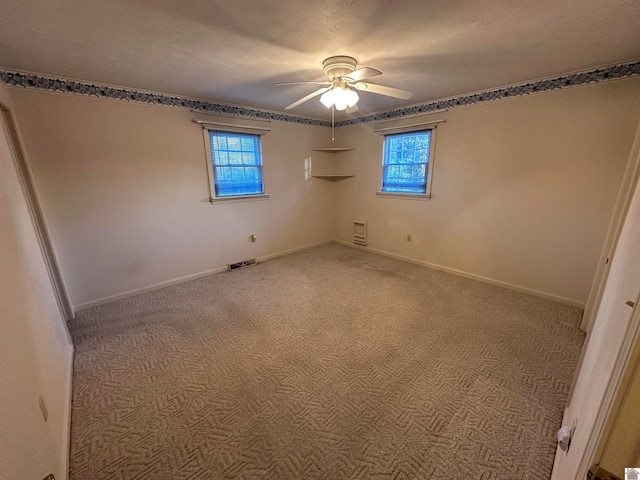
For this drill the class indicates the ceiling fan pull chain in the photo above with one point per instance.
(333, 116)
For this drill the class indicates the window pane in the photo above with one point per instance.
(406, 157)
(249, 158)
(237, 166)
(221, 158)
(218, 142)
(234, 143)
(235, 158)
(247, 144)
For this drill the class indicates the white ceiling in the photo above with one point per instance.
(231, 51)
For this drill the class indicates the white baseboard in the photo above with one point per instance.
(186, 278)
(473, 276)
(271, 256)
(292, 250)
(138, 291)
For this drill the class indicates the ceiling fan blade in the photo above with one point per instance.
(353, 109)
(302, 83)
(308, 97)
(382, 90)
(359, 74)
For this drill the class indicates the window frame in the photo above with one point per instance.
(429, 170)
(258, 133)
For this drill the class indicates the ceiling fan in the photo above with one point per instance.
(344, 79)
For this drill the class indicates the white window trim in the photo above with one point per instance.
(213, 127)
(240, 198)
(412, 196)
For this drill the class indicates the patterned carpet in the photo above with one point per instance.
(331, 363)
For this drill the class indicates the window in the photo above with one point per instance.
(236, 164)
(406, 163)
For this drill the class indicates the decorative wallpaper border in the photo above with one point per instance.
(41, 82)
(567, 81)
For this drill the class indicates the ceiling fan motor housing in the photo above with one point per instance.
(338, 66)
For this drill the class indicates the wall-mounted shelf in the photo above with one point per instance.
(332, 163)
(333, 178)
(333, 149)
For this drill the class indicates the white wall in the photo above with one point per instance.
(522, 192)
(523, 189)
(124, 190)
(35, 350)
(611, 337)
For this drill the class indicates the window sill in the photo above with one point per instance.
(239, 198)
(410, 196)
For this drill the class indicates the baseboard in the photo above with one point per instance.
(264, 258)
(473, 276)
(138, 291)
(293, 250)
(186, 278)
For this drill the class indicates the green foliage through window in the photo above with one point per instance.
(405, 165)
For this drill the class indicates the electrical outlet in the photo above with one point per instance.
(409, 238)
(43, 408)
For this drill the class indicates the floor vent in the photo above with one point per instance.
(242, 264)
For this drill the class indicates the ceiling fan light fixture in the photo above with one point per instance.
(352, 97)
(327, 98)
(344, 79)
(341, 97)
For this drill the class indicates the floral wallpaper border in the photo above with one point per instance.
(41, 82)
(567, 81)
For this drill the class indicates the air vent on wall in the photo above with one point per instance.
(359, 232)
(242, 264)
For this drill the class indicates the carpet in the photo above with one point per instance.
(330, 363)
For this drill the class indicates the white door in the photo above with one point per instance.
(612, 334)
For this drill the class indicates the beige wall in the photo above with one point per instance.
(623, 447)
(607, 345)
(523, 189)
(522, 194)
(35, 350)
(124, 191)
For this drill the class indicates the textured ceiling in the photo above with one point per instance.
(232, 51)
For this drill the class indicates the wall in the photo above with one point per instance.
(623, 447)
(35, 350)
(608, 344)
(124, 190)
(523, 189)
(522, 192)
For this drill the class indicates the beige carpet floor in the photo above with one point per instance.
(331, 363)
